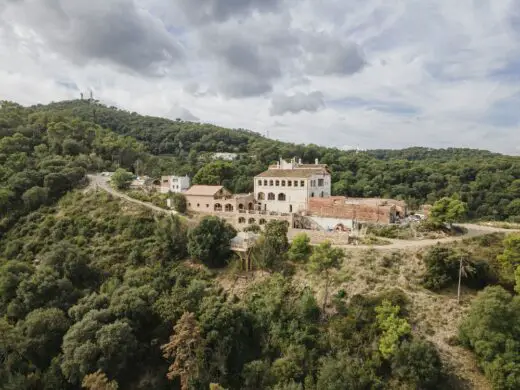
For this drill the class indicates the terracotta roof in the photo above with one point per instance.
(203, 190)
(297, 172)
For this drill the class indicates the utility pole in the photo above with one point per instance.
(460, 279)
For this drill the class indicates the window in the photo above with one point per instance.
(251, 221)
(262, 221)
(289, 183)
(270, 182)
(271, 196)
(277, 183)
(283, 183)
(302, 183)
(320, 182)
(228, 207)
(321, 195)
(265, 182)
(241, 220)
(261, 196)
(198, 205)
(189, 204)
(281, 196)
(207, 206)
(312, 194)
(259, 182)
(296, 183)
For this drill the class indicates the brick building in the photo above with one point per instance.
(373, 210)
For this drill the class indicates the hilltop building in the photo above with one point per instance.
(287, 186)
(174, 184)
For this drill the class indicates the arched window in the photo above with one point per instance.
(229, 207)
(251, 221)
(240, 206)
(270, 182)
(241, 220)
(312, 194)
(259, 182)
(271, 196)
(277, 183)
(281, 196)
(250, 206)
(218, 207)
(283, 183)
(261, 196)
(321, 195)
(262, 221)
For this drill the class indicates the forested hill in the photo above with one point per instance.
(488, 182)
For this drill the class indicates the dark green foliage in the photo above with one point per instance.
(121, 178)
(209, 241)
(272, 247)
(179, 202)
(492, 331)
(442, 269)
(418, 363)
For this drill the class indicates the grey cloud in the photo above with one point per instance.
(116, 31)
(204, 11)
(329, 56)
(249, 63)
(298, 102)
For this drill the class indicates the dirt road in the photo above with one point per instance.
(102, 182)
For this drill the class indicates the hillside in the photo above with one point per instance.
(98, 292)
(488, 182)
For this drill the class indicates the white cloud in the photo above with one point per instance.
(431, 73)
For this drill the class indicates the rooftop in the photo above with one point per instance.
(295, 172)
(202, 190)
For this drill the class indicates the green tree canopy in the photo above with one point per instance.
(121, 178)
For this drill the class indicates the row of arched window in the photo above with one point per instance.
(251, 221)
(271, 196)
(283, 183)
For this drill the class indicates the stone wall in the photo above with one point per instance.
(241, 220)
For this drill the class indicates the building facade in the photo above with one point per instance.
(287, 186)
(174, 184)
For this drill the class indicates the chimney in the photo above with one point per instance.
(300, 161)
(316, 161)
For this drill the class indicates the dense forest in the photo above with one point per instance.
(100, 294)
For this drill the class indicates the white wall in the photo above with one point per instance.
(294, 196)
(175, 184)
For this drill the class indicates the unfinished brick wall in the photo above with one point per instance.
(335, 207)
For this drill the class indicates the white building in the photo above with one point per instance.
(174, 184)
(287, 186)
(224, 156)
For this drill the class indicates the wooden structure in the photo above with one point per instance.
(242, 244)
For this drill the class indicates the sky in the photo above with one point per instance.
(343, 73)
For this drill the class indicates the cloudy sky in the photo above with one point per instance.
(346, 73)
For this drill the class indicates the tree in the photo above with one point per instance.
(509, 259)
(300, 249)
(210, 241)
(418, 363)
(272, 247)
(324, 259)
(172, 235)
(393, 328)
(43, 331)
(98, 381)
(448, 210)
(184, 347)
(179, 202)
(35, 197)
(214, 173)
(121, 178)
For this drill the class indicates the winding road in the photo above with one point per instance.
(473, 230)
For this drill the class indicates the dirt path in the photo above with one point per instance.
(473, 230)
(102, 182)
